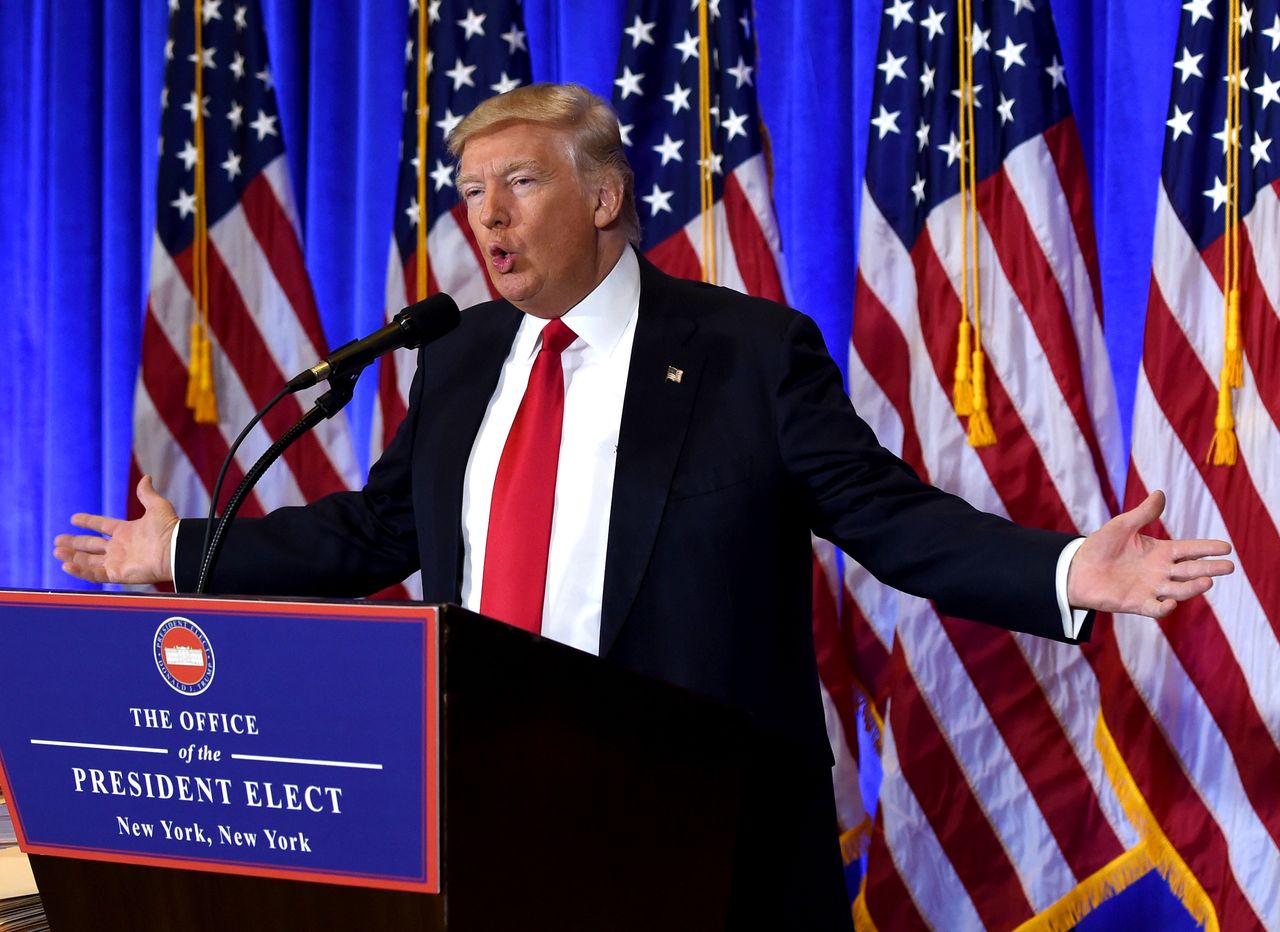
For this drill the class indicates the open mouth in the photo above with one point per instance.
(500, 258)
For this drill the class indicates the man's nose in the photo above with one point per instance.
(493, 211)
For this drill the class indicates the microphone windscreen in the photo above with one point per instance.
(429, 319)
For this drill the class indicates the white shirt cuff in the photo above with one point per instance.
(173, 555)
(1072, 619)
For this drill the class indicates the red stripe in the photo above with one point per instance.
(1014, 464)
(1063, 142)
(865, 654)
(278, 242)
(410, 271)
(1038, 744)
(1189, 401)
(887, 898)
(955, 814)
(1197, 638)
(675, 256)
(392, 405)
(1158, 773)
(242, 343)
(756, 263)
(832, 668)
(1033, 281)
(1019, 709)
(883, 350)
(459, 213)
(1260, 328)
(164, 378)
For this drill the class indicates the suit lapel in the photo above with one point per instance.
(459, 392)
(666, 365)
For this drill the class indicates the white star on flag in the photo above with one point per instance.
(629, 83)
(264, 125)
(640, 31)
(472, 25)
(669, 149)
(658, 200)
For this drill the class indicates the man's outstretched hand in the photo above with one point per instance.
(122, 551)
(1118, 569)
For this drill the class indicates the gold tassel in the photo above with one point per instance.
(1233, 363)
(962, 394)
(193, 371)
(981, 431)
(206, 402)
(1224, 446)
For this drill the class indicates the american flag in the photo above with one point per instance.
(223, 170)
(1192, 705)
(995, 806)
(475, 49)
(670, 107)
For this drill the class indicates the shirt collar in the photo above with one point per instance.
(600, 318)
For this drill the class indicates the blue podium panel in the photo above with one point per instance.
(279, 739)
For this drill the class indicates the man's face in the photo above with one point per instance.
(533, 216)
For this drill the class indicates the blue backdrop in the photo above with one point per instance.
(80, 87)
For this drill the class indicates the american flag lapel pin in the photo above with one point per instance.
(674, 374)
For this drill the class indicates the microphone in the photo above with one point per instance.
(416, 324)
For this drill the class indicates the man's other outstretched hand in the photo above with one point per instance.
(122, 551)
(1118, 569)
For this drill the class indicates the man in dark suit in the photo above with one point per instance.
(704, 436)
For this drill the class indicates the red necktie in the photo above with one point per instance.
(524, 493)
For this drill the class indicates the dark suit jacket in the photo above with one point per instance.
(720, 477)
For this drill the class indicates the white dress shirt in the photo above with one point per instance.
(595, 381)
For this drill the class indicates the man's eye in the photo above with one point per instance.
(470, 193)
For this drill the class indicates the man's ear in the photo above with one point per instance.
(608, 192)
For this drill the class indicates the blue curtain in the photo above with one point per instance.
(80, 91)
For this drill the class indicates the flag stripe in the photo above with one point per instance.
(1017, 715)
(885, 895)
(1189, 400)
(1038, 744)
(278, 241)
(1034, 495)
(203, 444)
(958, 819)
(754, 258)
(1182, 815)
(886, 358)
(1041, 299)
(237, 333)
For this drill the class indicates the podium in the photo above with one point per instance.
(574, 795)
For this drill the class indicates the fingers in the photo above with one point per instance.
(1180, 550)
(79, 543)
(100, 523)
(84, 566)
(148, 495)
(1193, 569)
(1148, 510)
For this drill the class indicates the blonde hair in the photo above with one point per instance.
(596, 145)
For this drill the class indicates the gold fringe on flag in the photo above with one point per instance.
(970, 391)
(201, 398)
(1224, 447)
(422, 264)
(705, 165)
(1084, 897)
(1163, 855)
